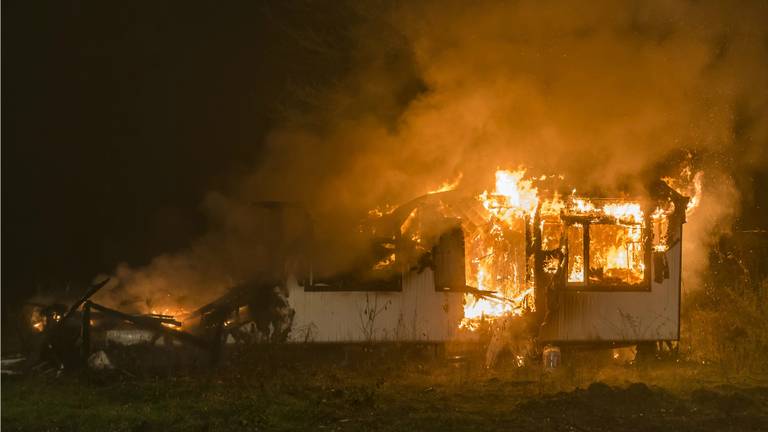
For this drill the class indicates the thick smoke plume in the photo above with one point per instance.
(602, 92)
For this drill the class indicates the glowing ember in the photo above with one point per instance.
(406, 225)
(385, 263)
(171, 326)
(37, 320)
(169, 311)
(380, 211)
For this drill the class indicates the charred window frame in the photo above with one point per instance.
(449, 261)
(414, 237)
(582, 227)
(363, 278)
(353, 283)
(446, 258)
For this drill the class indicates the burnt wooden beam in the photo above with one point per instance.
(150, 323)
(88, 294)
(484, 294)
(216, 345)
(85, 347)
(585, 252)
(168, 319)
(53, 334)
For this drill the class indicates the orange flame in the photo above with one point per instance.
(512, 196)
(512, 199)
(625, 212)
(447, 186)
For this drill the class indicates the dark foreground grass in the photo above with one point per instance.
(270, 391)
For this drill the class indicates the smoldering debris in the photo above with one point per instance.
(65, 339)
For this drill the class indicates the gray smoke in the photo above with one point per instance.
(599, 91)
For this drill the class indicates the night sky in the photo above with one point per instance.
(118, 117)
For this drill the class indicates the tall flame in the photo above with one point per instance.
(512, 197)
(499, 274)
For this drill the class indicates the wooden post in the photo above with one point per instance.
(85, 348)
(216, 346)
(585, 245)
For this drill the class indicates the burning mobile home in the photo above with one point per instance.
(562, 267)
(530, 261)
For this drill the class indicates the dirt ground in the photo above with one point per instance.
(336, 389)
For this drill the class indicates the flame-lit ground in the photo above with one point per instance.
(390, 390)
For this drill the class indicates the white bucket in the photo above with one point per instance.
(551, 356)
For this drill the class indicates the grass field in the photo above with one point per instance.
(391, 390)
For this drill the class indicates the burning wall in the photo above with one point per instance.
(517, 238)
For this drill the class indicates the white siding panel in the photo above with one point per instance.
(417, 313)
(620, 316)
